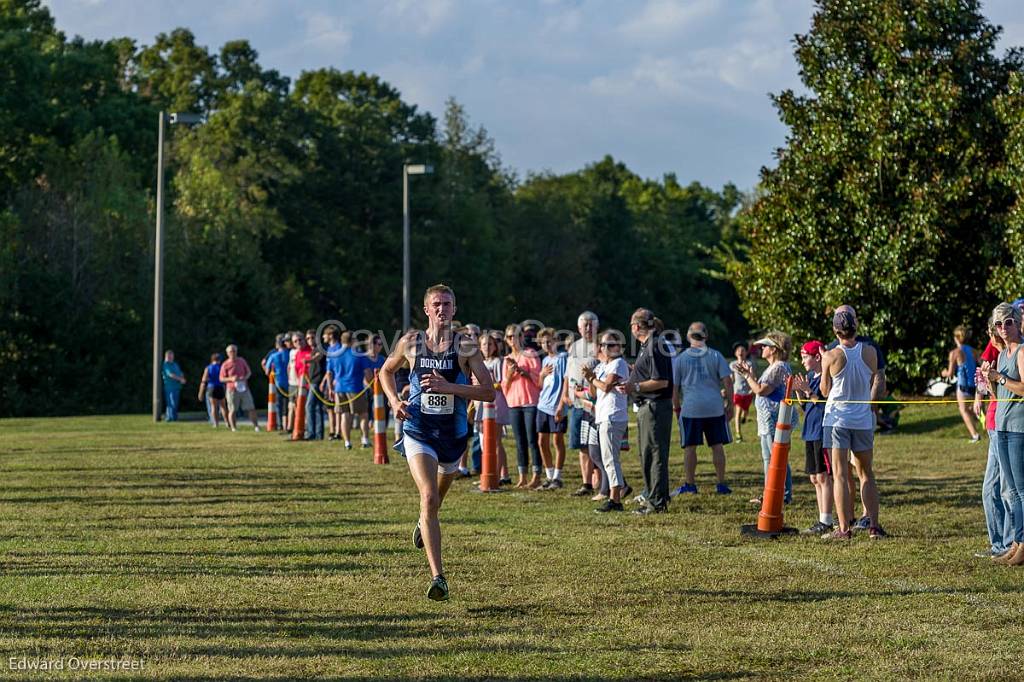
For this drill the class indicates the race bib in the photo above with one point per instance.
(241, 387)
(437, 403)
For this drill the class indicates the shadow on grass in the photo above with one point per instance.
(526, 677)
(292, 633)
(91, 500)
(240, 569)
(167, 635)
(954, 491)
(929, 426)
(753, 596)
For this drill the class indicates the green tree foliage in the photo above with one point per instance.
(886, 195)
(1007, 281)
(283, 210)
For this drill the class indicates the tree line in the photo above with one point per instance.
(898, 190)
(283, 209)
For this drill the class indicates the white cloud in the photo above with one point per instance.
(563, 22)
(661, 19)
(422, 16)
(747, 66)
(326, 33)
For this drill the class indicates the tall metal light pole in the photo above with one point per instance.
(407, 170)
(158, 274)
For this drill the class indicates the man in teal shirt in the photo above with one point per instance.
(173, 381)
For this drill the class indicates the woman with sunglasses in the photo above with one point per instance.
(770, 390)
(1005, 377)
(611, 414)
(521, 383)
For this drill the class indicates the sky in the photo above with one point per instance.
(665, 86)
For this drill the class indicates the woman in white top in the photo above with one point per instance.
(610, 413)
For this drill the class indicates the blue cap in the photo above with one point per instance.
(844, 321)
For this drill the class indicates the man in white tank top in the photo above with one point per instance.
(848, 370)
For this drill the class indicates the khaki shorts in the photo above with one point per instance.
(240, 401)
(347, 403)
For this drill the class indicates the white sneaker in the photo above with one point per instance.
(975, 439)
(255, 428)
(233, 429)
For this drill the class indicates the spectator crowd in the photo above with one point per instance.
(559, 391)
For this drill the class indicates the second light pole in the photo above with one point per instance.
(407, 170)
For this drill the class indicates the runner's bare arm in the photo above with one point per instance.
(397, 360)
(484, 388)
(950, 370)
(878, 385)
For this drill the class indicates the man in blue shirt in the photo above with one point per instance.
(173, 381)
(278, 362)
(550, 407)
(334, 353)
(817, 460)
(702, 393)
(351, 370)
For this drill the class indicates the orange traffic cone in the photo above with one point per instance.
(769, 520)
(489, 463)
(380, 423)
(271, 404)
(299, 430)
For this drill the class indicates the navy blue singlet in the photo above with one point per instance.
(437, 419)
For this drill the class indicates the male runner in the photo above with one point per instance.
(435, 430)
(847, 374)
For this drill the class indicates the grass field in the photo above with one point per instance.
(211, 555)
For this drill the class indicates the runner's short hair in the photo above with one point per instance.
(438, 289)
(961, 333)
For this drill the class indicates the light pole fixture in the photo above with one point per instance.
(158, 275)
(407, 170)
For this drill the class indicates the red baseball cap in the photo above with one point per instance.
(812, 348)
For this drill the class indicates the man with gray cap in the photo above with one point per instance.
(700, 375)
(582, 353)
(847, 374)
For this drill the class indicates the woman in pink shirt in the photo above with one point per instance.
(520, 383)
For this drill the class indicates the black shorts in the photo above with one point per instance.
(817, 459)
(217, 392)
